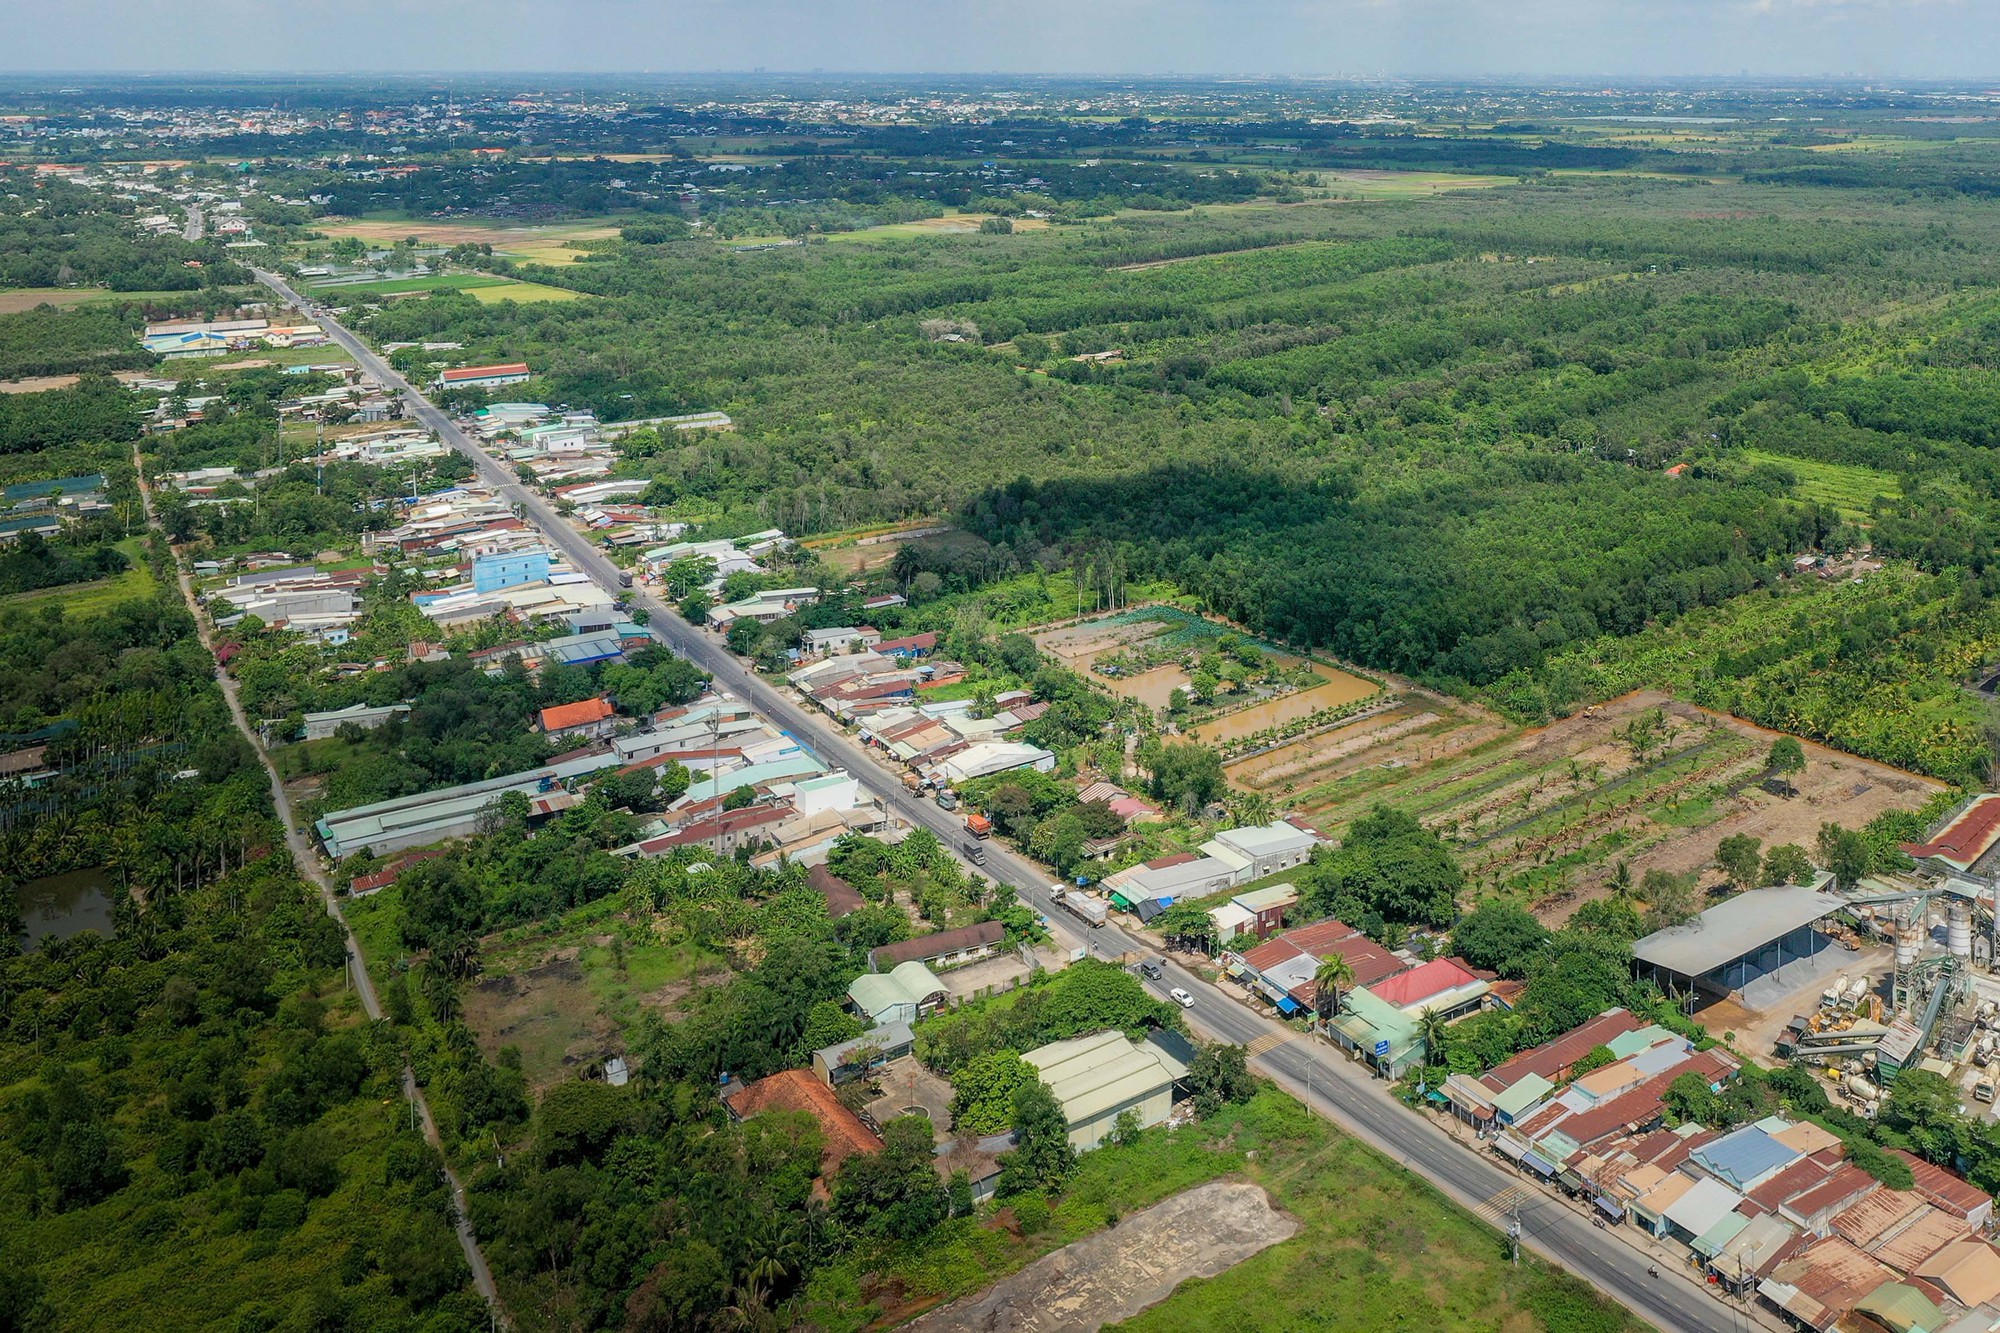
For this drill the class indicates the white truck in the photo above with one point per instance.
(1093, 911)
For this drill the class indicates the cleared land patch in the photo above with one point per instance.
(1115, 1274)
(1847, 487)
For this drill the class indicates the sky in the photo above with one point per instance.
(1910, 39)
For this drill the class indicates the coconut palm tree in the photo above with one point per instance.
(1434, 1032)
(1333, 974)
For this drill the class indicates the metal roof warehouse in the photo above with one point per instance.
(1741, 938)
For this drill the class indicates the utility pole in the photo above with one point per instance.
(1514, 1234)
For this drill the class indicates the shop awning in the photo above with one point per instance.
(1287, 1005)
(1611, 1208)
(1537, 1165)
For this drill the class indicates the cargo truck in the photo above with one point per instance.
(1094, 911)
(979, 826)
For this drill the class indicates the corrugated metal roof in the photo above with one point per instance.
(1710, 1242)
(1745, 1157)
(1707, 1203)
(1733, 928)
(1968, 1271)
(1902, 1307)
(1871, 1219)
(1523, 1094)
(1631, 1043)
(1091, 1075)
(1923, 1235)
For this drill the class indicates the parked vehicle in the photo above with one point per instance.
(1983, 1093)
(1181, 998)
(1092, 911)
(947, 800)
(624, 579)
(1153, 968)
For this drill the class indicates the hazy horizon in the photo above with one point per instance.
(1866, 39)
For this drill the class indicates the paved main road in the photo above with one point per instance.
(1339, 1089)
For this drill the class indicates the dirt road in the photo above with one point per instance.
(307, 860)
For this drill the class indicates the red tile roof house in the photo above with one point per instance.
(845, 1133)
(724, 832)
(592, 718)
(364, 885)
(842, 898)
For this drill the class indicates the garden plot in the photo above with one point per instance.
(1262, 693)
(1547, 813)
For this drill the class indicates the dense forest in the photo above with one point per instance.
(193, 1125)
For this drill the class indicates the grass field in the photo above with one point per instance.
(1378, 1248)
(1406, 184)
(523, 291)
(481, 286)
(952, 224)
(563, 992)
(1848, 487)
(90, 599)
(333, 291)
(329, 355)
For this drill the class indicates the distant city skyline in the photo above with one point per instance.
(1915, 39)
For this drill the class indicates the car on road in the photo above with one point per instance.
(1181, 998)
(1153, 969)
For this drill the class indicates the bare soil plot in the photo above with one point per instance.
(566, 1004)
(37, 384)
(546, 1011)
(1115, 1274)
(1351, 758)
(1167, 631)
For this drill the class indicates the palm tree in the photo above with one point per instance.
(1333, 973)
(1434, 1032)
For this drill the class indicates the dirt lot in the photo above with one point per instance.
(989, 976)
(1117, 1273)
(572, 1000)
(39, 384)
(547, 1011)
(1082, 645)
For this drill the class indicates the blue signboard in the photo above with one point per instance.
(1381, 1048)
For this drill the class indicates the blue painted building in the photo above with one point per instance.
(491, 573)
